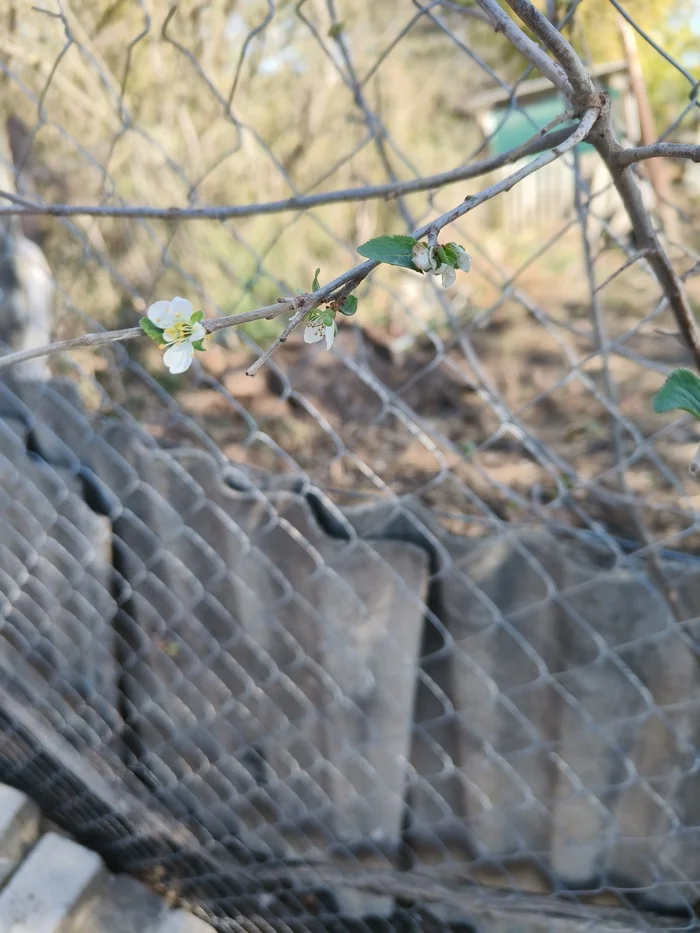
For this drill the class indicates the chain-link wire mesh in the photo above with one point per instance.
(403, 635)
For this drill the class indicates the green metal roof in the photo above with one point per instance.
(514, 127)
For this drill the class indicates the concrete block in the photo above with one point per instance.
(19, 828)
(182, 921)
(48, 887)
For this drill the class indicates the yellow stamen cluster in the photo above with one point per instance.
(176, 332)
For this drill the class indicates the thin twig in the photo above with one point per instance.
(130, 333)
(616, 435)
(303, 304)
(581, 87)
(539, 142)
(580, 133)
(293, 322)
(503, 23)
(75, 343)
(348, 283)
(432, 229)
(640, 254)
(666, 150)
(646, 237)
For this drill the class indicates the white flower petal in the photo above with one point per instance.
(448, 276)
(199, 331)
(160, 313)
(421, 257)
(178, 356)
(330, 335)
(181, 309)
(313, 333)
(464, 262)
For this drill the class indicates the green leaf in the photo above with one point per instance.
(448, 254)
(349, 306)
(393, 250)
(197, 317)
(198, 344)
(680, 391)
(315, 286)
(150, 330)
(335, 30)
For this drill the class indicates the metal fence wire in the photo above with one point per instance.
(400, 636)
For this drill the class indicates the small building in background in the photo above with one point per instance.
(509, 117)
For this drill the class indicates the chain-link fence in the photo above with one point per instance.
(397, 636)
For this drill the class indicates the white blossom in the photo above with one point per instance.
(320, 327)
(180, 332)
(464, 261)
(423, 258)
(448, 275)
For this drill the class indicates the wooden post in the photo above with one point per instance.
(656, 169)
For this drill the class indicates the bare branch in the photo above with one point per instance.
(130, 333)
(580, 133)
(582, 88)
(356, 276)
(645, 235)
(666, 150)
(539, 142)
(534, 54)
(75, 343)
(432, 228)
(609, 149)
(293, 322)
(635, 257)
(339, 287)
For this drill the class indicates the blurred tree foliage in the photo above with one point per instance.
(667, 22)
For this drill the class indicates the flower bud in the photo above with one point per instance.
(421, 258)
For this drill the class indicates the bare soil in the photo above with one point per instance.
(506, 419)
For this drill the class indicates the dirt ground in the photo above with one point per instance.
(383, 416)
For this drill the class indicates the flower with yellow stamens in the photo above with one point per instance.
(182, 330)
